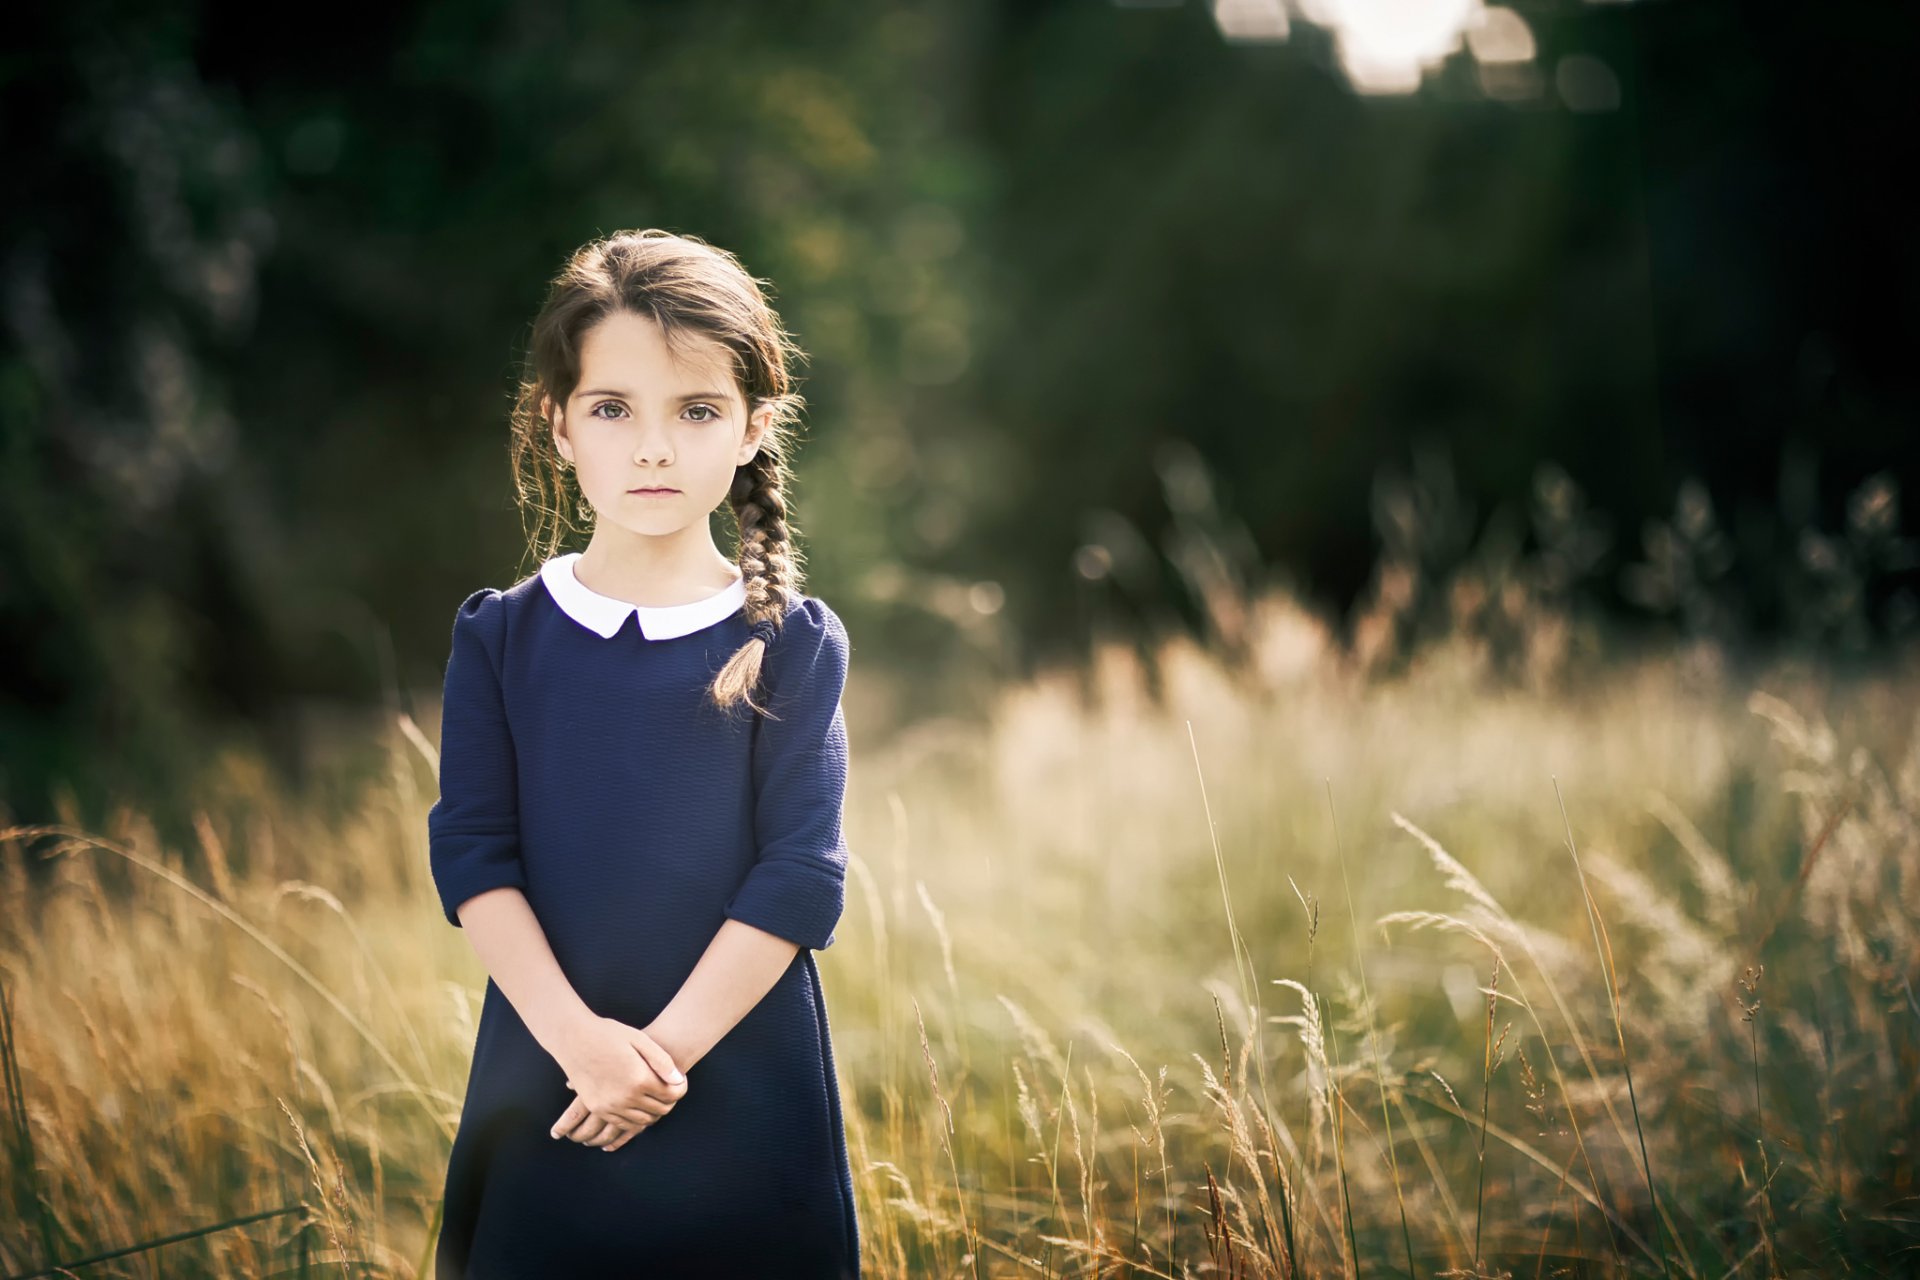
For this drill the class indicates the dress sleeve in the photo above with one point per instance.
(473, 830)
(797, 886)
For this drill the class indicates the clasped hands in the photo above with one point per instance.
(622, 1081)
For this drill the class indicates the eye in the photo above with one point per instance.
(715, 414)
(595, 412)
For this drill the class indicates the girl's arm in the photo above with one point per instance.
(794, 895)
(511, 944)
(474, 830)
(739, 967)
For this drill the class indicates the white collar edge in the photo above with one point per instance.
(604, 615)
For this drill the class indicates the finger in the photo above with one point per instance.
(590, 1131)
(609, 1133)
(637, 1115)
(662, 1091)
(660, 1060)
(625, 1138)
(569, 1119)
(649, 1104)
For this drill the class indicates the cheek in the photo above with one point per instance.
(604, 451)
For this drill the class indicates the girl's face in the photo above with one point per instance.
(656, 440)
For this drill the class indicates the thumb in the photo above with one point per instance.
(657, 1058)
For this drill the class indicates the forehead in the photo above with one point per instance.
(627, 350)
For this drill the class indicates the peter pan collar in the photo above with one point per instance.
(605, 615)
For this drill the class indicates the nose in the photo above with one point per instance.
(653, 447)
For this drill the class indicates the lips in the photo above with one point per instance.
(661, 492)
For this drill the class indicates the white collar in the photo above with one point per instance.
(605, 615)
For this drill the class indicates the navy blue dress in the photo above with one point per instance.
(584, 768)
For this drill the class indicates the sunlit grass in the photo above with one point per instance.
(1058, 1056)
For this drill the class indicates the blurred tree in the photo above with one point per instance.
(127, 614)
(1112, 317)
(265, 308)
(1630, 257)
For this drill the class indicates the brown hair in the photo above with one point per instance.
(691, 288)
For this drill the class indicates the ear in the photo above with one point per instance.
(758, 425)
(557, 420)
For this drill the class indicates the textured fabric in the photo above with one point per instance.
(590, 771)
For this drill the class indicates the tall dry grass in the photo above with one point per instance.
(1091, 1017)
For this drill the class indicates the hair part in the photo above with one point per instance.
(693, 290)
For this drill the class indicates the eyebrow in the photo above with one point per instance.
(697, 395)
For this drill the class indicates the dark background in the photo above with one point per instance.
(1097, 302)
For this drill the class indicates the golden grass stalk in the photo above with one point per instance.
(1373, 1031)
(945, 1131)
(1487, 1064)
(1458, 877)
(1243, 959)
(1750, 1014)
(1605, 951)
(946, 1140)
(1312, 1030)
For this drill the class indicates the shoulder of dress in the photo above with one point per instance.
(490, 605)
(480, 619)
(482, 606)
(812, 637)
(485, 614)
(522, 589)
(813, 617)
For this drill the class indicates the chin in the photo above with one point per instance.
(660, 526)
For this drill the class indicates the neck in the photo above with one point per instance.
(655, 570)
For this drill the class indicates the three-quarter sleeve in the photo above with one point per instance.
(473, 830)
(797, 885)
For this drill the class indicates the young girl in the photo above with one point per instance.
(644, 854)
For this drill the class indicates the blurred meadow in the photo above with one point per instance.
(1384, 697)
(1173, 967)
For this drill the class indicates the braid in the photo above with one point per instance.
(769, 565)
